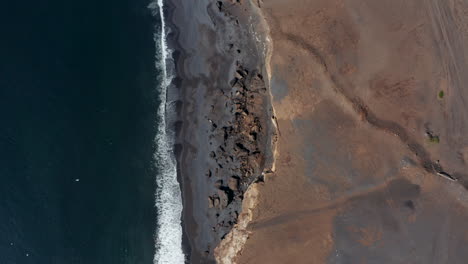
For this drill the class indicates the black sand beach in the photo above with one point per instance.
(224, 127)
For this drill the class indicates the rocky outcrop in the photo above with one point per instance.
(228, 249)
(233, 183)
(238, 127)
(238, 148)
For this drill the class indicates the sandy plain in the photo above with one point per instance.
(371, 156)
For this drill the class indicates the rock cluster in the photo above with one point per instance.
(237, 148)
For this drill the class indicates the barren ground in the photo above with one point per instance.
(365, 135)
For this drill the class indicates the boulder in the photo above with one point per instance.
(233, 183)
(223, 199)
(216, 202)
(218, 184)
(238, 75)
(210, 202)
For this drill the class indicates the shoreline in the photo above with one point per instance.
(168, 196)
(176, 54)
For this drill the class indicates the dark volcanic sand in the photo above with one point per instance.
(223, 133)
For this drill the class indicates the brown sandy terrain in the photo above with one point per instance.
(371, 163)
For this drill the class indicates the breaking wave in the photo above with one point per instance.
(168, 237)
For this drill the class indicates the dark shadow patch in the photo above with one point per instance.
(279, 88)
(409, 204)
(371, 226)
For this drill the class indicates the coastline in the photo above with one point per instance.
(177, 55)
(213, 46)
(168, 197)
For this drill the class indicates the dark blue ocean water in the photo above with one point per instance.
(77, 102)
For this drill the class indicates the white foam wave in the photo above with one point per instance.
(168, 237)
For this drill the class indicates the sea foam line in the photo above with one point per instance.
(168, 237)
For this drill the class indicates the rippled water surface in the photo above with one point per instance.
(77, 128)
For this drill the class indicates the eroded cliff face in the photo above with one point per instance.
(232, 244)
(238, 140)
(246, 149)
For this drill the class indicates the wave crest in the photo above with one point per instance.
(168, 237)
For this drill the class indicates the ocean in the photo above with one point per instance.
(86, 165)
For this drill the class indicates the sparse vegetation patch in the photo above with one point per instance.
(441, 94)
(434, 139)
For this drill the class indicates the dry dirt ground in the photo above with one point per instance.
(366, 138)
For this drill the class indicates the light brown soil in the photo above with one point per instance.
(356, 89)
